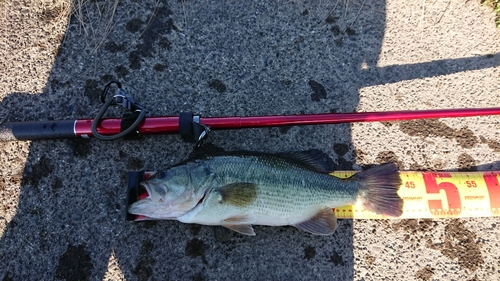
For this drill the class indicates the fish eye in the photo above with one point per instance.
(161, 175)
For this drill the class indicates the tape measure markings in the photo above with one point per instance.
(442, 195)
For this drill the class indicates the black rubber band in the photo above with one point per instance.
(97, 119)
(128, 120)
(186, 127)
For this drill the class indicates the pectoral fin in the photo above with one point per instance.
(323, 223)
(245, 229)
(240, 224)
(238, 194)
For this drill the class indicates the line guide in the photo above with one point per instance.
(435, 195)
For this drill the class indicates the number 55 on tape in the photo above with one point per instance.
(439, 195)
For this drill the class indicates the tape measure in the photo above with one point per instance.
(434, 195)
(438, 195)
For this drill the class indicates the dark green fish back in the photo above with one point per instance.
(283, 180)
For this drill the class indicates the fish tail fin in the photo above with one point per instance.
(378, 190)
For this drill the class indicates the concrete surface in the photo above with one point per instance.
(62, 202)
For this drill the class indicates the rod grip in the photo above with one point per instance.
(37, 130)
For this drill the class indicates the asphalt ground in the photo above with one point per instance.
(62, 202)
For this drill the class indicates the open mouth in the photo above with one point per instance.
(143, 192)
(148, 201)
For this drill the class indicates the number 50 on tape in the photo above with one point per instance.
(439, 195)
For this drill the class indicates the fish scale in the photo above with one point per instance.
(279, 183)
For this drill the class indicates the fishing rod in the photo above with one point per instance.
(137, 121)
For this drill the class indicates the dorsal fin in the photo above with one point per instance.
(314, 160)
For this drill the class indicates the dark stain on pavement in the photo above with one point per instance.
(135, 163)
(335, 30)
(105, 79)
(433, 127)
(459, 243)
(283, 130)
(466, 163)
(341, 148)
(196, 248)
(309, 253)
(198, 277)
(75, 264)
(418, 167)
(493, 144)
(331, 19)
(112, 47)
(92, 90)
(359, 155)
(8, 277)
(369, 260)
(56, 184)
(466, 137)
(414, 228)
(121, 71)
(389, 157)
(426, 127)
(425, 273)
(39, 170)
(195, 228)
(143, 270)
(134, 60)
(350, 31)
(474, 278)
(81, 147)
(336, 259)
(49, 15)
(159, 25)
(218, 85)
(159, 67)
(286, 83)
(319, 91)
(134, 25)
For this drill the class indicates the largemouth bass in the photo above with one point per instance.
(238, 190)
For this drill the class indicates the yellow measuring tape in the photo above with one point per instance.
(438, 195)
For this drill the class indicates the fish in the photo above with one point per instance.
(239, 189)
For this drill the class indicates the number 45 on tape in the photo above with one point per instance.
(439, 195)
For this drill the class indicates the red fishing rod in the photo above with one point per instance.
(193, 128)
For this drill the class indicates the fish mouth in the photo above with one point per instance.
(143, 192)
(153, 205)
(151, 191)
(147, 205)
